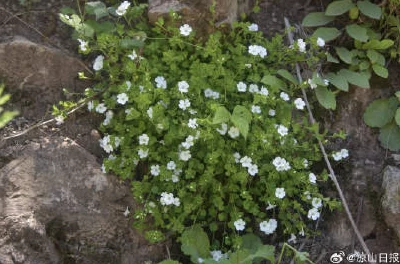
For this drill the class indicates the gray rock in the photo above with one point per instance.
(391, 198)
(56, 206)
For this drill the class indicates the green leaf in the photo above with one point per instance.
(357, 32)
(251, 242)
(379, 45)
(4, 98)
(397, 116)
(369, 9)
(326, 33)
(222, 115)
(7, 117)
(240, 257)
(288, 76)
(344, 54)
(274, 82)
(96, 8)
(380, 70)
(330, 58)
(316, 19)
(131, 43)
(195, 243)
(241, 118)
(380, 112)
(169, 261)
(355, 78)
(375, 57)
(265, 252)
(390, 136)
(338, 81)
(337, 8)
(326, 97)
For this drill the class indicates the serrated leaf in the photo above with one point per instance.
(389, 136)
(380, 70)
(344, 54)
(369, 9)
(376, 57)
(222, 115)
(337, 8)
(326, 97)
(397, 116)
(330, 58)
(380, 112)
(338, 81)
(316, 19)
(355, 78)
(195, 243)
(327, 33)
(288, 76)
(379, 45)
(357, 32)
(241, 118)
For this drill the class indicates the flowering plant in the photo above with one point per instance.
(209, 132)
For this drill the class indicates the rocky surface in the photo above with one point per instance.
(56, 206)
(391, 198)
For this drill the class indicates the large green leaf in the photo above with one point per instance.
(390, 136)
(263, 252)
(241, 118)
(169, 261)
(327, 33)
(337, 81)
(251, 242)
(316, 19)
(7, 117)
(195, 243)
(369, 9)
(397, 116)
(222, 115)
(380, 70)
(274, 82)
(288, 76)
(376, 57)
(357, 32)
(340, 7)
(380, 112)
(379, 45)
(355, 78)
(344, 54)
(131, 43)
(326, 97)
(96, 8)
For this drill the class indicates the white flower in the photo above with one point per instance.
(246, 161)
(128, 85)
(270, 206)
(161, 82)
(185, 155)
(239, 224)
(155, 170)
(234, 132)
(284, 96)
(150, 112)
(90, 106)
(257, 50)
(174, 178)
(101, 108)
(301, 233)
(83, 45)
(305, 163)
(326, 82)
(281, 164)
(117, 141)
(299, 103)
(271, 112)
(193, 123)
(122, 98)
(127, 212)
(133, 55)
(253, 88)
(302, 45)
(253, 27)
(215, 95)
(241, 86)
(255, 109)
(342, 154)
(188, 142)
(200, 260)
(183, 86)
(313, 214)
(121, 10)
(312, 84)
(105, 143)
(171, 165)
(264, 91)
(98, 63)
(280, 193)
(144, 139)
(143, 153)
(217, 255)
(252, 169)
(282, 130)
(109, 116)
(320, 42)
(312, 178)
(248, 65)
(185, 30)
(316, 202)
(176, 201)
(307, 194)
(268, 227)
(103, 168)
(223, 129)
(236, 155)
(183, 104)
(168, 199)
(208, 92)
(292, 238)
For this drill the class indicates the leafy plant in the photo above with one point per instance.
(5, 116)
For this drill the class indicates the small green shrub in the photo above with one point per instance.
(5, 116)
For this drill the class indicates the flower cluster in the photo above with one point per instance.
(342, 154)
(169, 199)
(257, 50)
